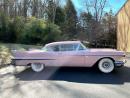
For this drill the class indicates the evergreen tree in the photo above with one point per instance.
(60, 16)
(70, 20)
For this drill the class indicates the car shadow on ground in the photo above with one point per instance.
(78, 75)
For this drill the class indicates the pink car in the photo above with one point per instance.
(70, 53)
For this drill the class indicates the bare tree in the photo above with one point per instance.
(25, 8)
(52, 6)
(96, 7)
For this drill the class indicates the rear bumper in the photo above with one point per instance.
(120, 63)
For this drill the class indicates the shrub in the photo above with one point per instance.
(5, 56)
(38, 31)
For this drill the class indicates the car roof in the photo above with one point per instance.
(63, 42)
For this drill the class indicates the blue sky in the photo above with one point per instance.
(115, 5)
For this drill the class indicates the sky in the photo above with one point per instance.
(115, 5)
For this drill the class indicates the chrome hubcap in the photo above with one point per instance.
(106, 65)
(38, 66)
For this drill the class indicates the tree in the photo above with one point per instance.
(18, 25)
(86, 20)
(70, 20)
(6, 29)
(51, 10)
(60, 16)
(33, 31)
(52, 34)
(38, 31)
(109, 26)
(96, 7)
(25, 7)
(107, 36)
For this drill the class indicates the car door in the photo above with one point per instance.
(52, 56)
(70, 56)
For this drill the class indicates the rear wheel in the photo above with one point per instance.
(106, 65)
(37, 67)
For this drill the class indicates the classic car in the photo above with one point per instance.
(70, 53)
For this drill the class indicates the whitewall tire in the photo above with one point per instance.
(37, 67)
(106, 65)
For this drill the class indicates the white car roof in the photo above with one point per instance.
(63, 42)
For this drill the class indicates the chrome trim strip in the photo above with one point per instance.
(33, 59)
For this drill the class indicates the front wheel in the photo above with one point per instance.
(37, 67)
(106, 65)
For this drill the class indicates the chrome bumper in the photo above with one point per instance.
(120, 63)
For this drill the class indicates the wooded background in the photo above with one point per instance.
(42, 21)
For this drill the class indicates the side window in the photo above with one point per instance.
(68, 47)
(53, 48)
(56, 48)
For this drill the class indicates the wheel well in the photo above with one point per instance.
(29, 64)
(103, 58)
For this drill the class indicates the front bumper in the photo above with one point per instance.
(120, 63)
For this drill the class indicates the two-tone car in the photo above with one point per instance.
(70, 54)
